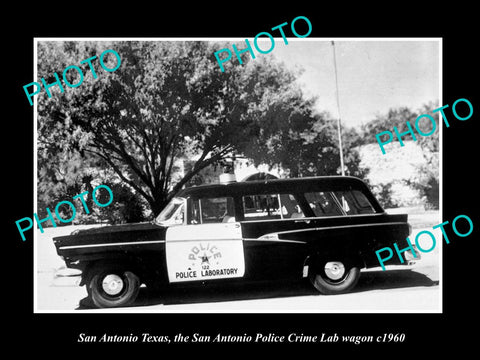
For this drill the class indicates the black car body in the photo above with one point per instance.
(323, 228)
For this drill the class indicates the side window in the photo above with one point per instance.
(290, 207)
(327, 203)
(323, 203)
(271, 206)
(212, 210)
(261, 207)
(354, 202)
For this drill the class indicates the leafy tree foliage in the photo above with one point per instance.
(168, 101)
(398, 117)
(385, 122)
(426, 180)
(304, 142)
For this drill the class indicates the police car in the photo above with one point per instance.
(322, 228)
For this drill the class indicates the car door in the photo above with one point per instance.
(268, 253)
(209, 246)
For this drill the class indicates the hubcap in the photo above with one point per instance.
(112, 284)
(334, 270)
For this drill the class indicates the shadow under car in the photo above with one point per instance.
(219, 292)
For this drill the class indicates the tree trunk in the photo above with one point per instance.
(158, 204)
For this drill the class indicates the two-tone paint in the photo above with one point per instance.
(258, 249)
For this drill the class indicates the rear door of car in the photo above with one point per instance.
(267, 256)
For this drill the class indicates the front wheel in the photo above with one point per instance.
(113, 287)
(334, 277)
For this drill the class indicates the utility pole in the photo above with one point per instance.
(339, 125)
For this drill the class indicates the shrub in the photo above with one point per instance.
(383, 193)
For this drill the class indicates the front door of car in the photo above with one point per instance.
(208, 247)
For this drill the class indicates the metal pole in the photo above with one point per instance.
(339, 125)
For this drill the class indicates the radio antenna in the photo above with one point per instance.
(339, 124)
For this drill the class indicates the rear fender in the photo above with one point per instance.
(314, 260)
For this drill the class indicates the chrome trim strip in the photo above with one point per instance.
(317, 217)
(339, 227)
(112, 244)
(243, 239)
(200, 240)
(230, 239)
(172, 241)
(276, 240)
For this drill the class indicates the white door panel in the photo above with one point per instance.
(204, 252)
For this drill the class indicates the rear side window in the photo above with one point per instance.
(323, 203)
(336, 203)
(271, 206)
(354, 202)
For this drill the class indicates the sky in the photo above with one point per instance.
(374, 75)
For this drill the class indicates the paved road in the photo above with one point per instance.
(395, 290)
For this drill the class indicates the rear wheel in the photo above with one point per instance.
(113, 286)
(331, 277)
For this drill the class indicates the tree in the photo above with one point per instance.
(426, 179)
(167, 100)
(385, 122)
(302, 141)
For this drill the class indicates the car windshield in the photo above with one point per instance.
(173, 213)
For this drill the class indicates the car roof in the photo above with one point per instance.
(293, 185)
